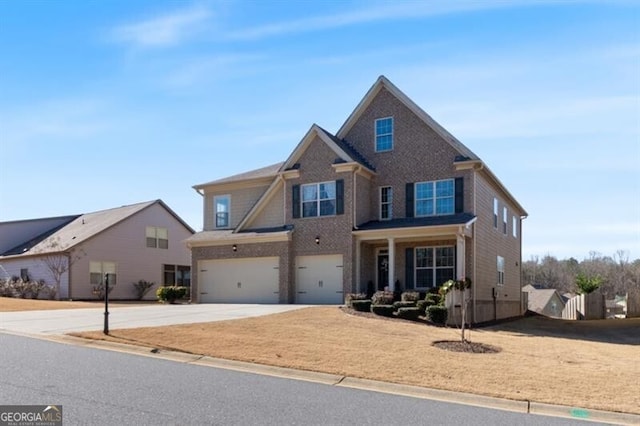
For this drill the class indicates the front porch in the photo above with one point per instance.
(419, 256)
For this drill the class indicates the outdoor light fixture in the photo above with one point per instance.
(318, 240)
(234, 247)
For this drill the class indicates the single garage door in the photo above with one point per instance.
(319, 279)
(248, 280)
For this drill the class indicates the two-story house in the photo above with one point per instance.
(392, 200)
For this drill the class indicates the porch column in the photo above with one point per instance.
(392, 264)
(358, 289)
(460, 257)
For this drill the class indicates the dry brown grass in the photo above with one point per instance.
(10, 304)
(534, 364)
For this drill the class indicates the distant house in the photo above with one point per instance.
(141, 241)
(392, 200)
(547, 302)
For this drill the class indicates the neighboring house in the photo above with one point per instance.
(547, 302)
(392, 200)
(616, 307)
(137, 242)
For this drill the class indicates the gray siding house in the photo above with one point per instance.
(391, 200)
(141, 241)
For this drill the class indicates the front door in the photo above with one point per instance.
(383, 270)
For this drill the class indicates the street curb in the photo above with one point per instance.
(436, 394)
(520, 406)
(584, 414)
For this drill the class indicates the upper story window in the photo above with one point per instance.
(384, 134)
(515, 227)
(157, 237)
(386, 203)
(434, 198)
(495, 213)
(222, 207)
(319, 199)
(504, 220)
(500, 267)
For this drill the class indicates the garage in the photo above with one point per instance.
(319, 279)
(247, 280)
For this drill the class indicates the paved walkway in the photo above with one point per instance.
(69, 320)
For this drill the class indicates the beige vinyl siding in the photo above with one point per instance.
(242, 200)
(272, 214)
(125, 245)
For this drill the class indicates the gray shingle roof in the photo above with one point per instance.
(267, 171)
(453, 219)
(350, 150)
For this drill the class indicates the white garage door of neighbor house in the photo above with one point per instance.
(319, 279)
(248, 280)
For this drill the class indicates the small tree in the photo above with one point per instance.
(142, 287)
(58, 261)
(588, 284)
(461, 285)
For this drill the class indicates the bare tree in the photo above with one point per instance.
(59, 261)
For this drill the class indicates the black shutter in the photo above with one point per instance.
(295, 201)
(409, 200)
(459, 200)
(340, 196)
(408, 269)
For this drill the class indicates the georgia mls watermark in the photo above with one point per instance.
(30, 415)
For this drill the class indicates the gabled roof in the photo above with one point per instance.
(264, 172)
(540, 298)
(82, 228)
(344, 151)
(383, 83)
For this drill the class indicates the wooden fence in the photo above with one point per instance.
(585, 307)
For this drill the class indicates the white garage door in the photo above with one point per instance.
(319, 279)
(249, 280)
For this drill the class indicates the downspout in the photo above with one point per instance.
(475, 251)
(68, 276)
(284, 201)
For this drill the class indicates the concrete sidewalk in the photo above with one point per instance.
(70, 320)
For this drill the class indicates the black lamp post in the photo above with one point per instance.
(106, 304)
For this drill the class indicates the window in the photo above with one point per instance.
(98, 271)
(157, 237)
(434, 266)
(514, 227)
(24, 274)
(495, 213)
(434, 198)
(177, 275)
(386, 203)
(319, 199)
(384, 134)
(504, 220)
(500, 268)
(221, 205)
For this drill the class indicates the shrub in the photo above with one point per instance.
(383, 310)
(587, 284)
(142, 287)
(437, 314)
(5, 289)
(170, 294)
(410, 296)
(433, 299)
(422, 306)
(354, 296)
(382, 298)
(361, 305)
(400, 304)
(408, 313)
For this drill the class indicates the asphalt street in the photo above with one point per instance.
(97, 387)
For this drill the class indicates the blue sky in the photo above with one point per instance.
(106, 103)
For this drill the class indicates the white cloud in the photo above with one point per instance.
(381, 11)
(163, 31)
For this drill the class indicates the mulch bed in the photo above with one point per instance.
(468, 347)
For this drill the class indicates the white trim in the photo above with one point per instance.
(318, 199)
(434, 267)
(435, 198)
(390, 202)
(215, 211)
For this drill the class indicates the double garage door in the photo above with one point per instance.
(318, 280)
(250, 280)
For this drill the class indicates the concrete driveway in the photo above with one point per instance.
(69, 320)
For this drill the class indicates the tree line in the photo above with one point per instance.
(619, 275)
